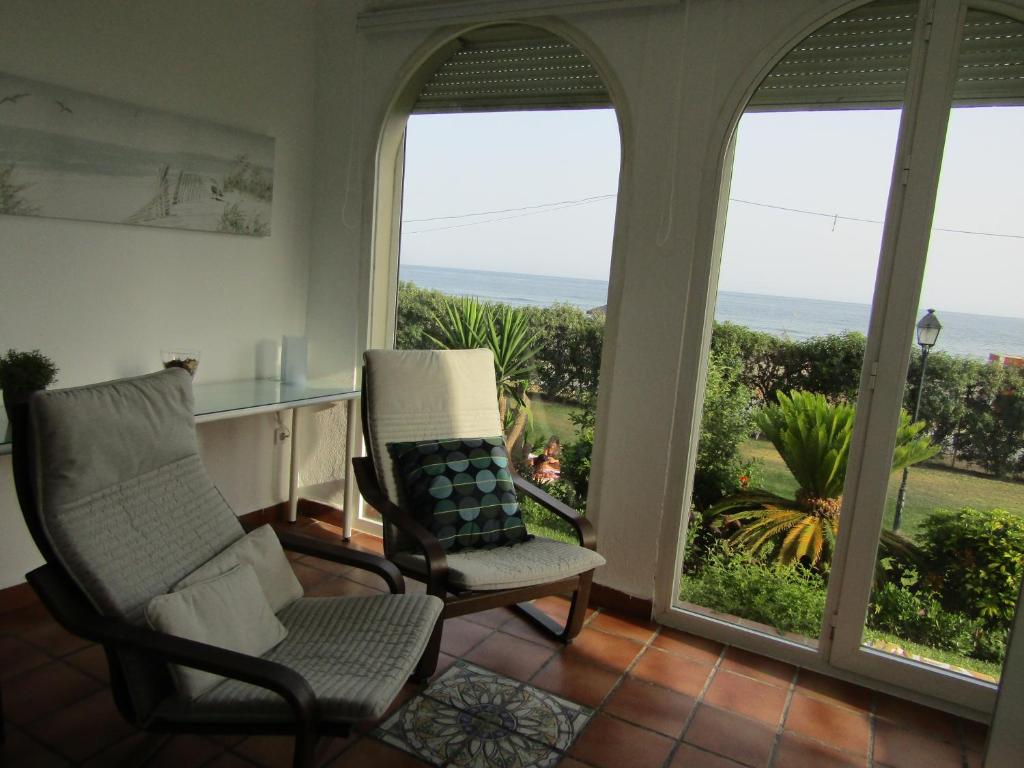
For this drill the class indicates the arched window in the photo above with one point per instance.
(510, 166)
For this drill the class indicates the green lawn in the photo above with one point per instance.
(552, 418)
(928, 488)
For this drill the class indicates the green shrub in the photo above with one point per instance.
(569, 358)
(576, 455)
(993, 434)
(834, 363)
(788, 597)
(26, 371)
(943, 402)
(726, 423)
(418, 309)
(974, 561)
(829, 365)
(920, 618)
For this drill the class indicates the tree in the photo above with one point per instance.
(813, 438)
(994, 420)
(943, 402)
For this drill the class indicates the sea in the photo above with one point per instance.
(967, 335)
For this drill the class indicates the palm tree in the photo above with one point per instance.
(467, 324)
(813, 438)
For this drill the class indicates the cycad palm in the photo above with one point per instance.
(813, 438)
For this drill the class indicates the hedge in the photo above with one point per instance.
(974, 410)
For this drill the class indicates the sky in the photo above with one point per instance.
(838, 163)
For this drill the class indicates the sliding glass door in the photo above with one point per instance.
(934, 564)
(858, 498)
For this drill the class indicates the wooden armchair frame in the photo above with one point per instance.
(458, 602)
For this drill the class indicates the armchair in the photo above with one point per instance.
(115, 496)
(422, 395)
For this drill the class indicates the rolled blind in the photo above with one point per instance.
(862, 60)
(991, 68)
(536, 72)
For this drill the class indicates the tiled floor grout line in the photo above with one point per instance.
(599, 709)
(52, 653)
(697, 702)
(774, 752)
(11, 727)
(872, 721)
(481, 641)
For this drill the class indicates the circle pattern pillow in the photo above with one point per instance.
(461, 489)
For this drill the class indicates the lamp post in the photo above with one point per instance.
(928, 328)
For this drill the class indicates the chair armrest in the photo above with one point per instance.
(307, 545)
(584, 528)
(58, 596)
(437, 561)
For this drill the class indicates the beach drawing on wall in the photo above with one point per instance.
(70, 155)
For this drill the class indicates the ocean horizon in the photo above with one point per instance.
(964, 334)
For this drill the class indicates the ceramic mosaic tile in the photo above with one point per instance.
(472, 717)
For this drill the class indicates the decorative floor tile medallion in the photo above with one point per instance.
(472, 717)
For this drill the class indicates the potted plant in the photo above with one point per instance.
(22, 373)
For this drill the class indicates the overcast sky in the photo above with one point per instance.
(830, 162)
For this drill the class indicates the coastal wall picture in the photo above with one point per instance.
(70, 155)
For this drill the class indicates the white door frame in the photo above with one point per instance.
(917, 166)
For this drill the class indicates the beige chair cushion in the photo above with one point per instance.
(427, 394)
(355, 652)
(262, 550)
(229, 611)
(537, 561)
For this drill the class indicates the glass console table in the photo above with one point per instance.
(218, 401)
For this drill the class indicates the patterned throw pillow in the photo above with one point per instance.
(461, 490)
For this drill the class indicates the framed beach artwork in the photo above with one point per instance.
(70, 155)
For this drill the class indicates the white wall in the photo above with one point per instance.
(678, 74)
(102, 299)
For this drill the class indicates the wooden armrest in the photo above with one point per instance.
(307, 545)
(583, 527)
(56, 593)
(437, 561)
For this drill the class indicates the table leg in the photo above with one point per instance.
(293, 470)
(353, 436)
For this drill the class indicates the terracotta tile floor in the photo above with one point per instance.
(663, 698)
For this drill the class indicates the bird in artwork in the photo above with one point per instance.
(13, 98)
(63, 107)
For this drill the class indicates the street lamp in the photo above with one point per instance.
(928, 328)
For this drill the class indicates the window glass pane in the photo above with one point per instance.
(515, 210)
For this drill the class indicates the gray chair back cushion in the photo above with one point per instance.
(121, 492)
(421, 395)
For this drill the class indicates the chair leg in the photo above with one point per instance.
(578, 609)
(305, 748)
(428, 661)
(577, 612)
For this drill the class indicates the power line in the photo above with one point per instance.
(840, 217)
(534, 210)
(510, 210)
(556, 207)
(832, 216)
